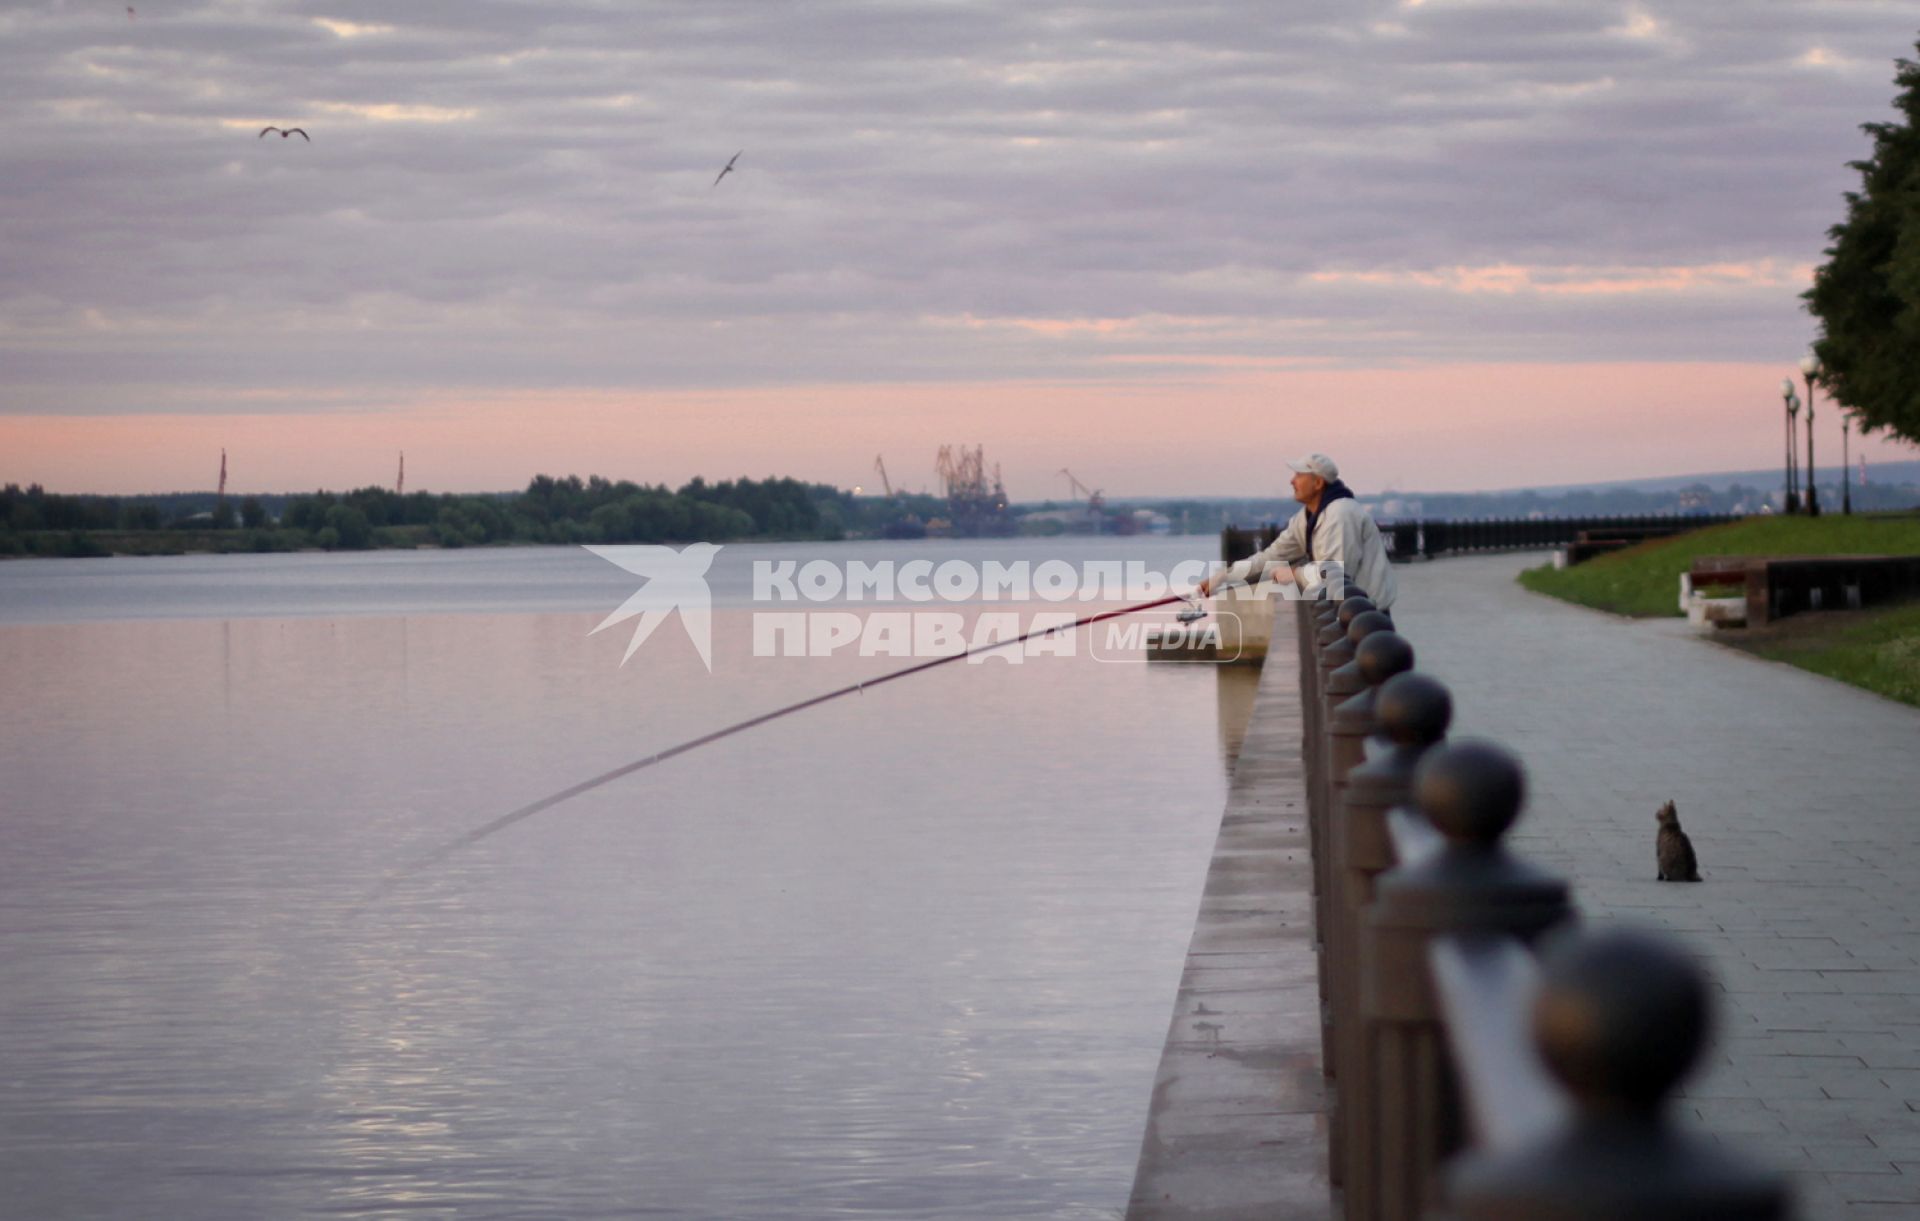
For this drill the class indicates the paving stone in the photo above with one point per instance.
(1834, 1159)
(1877, 1188)
(1871, 1212)
(1883, 1050)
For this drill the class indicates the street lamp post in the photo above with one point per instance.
(1846, 481)
(1810, 367)
(1792, 401)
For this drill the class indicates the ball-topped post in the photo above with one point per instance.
(1343, 614)
(1379, 653)
(1335, 649)
(1413, 711)
(1620, 1017)
(1340, 653)
(1472, 793)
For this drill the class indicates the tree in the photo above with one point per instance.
(1867, 296)
(349, 526)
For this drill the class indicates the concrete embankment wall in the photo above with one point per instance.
(1237, 1123)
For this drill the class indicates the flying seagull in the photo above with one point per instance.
(284, 133)
(729, 169)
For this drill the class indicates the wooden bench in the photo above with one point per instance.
(1773, 587)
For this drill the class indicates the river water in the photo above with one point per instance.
(908, 954)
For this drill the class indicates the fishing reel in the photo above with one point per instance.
(1190, 611)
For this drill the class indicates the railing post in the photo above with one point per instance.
(1620, 1017)
(1320, 626)
(1335, 659)
(1334, 651)
(1332, 630)
(1379, 654)
(1350, 691)
(1471, 793)
(1412, 711)
(1313, 618)
(1342, 747)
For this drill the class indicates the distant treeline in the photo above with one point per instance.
(551, 510)
(1604, 502)
(37, 522)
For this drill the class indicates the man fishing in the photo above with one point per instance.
(1330, 536)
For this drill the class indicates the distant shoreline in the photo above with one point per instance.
(122, 544)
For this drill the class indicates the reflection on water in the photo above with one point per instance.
(909, 954)
(1234, 692)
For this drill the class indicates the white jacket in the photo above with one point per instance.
(1344, 536)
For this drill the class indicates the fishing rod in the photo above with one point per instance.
(547, 803)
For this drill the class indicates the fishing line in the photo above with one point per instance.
(547, 803)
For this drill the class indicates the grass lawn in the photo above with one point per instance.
(1878, 649)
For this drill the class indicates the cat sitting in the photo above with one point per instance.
(1672, 850)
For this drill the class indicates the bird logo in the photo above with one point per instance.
(284, 133)
(729, 167)
(675, 580)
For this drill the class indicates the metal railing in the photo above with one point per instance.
(1428, 538)
(1485, 1060)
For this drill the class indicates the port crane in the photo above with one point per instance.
(879, 464)
(1095, 498)
(976, 500)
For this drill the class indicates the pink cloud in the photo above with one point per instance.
(1576, 281)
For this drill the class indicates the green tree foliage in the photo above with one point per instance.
(308, 512)
(139, 515)
(780, 508)
(1867, 296)
(34, 508)
(550, 510)
(350, 527)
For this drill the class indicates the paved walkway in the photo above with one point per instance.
(1802, 797)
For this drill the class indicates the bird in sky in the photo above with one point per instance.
(729, 169)
(284, 133)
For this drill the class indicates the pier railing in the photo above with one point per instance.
(1411, 538)
(1486, 1060)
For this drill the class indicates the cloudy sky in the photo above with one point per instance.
(1454, 243)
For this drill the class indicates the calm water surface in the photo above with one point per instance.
(909, 954)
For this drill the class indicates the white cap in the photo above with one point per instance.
(1316, 464)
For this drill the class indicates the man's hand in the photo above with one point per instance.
(1204, 588)
(1278, 573)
